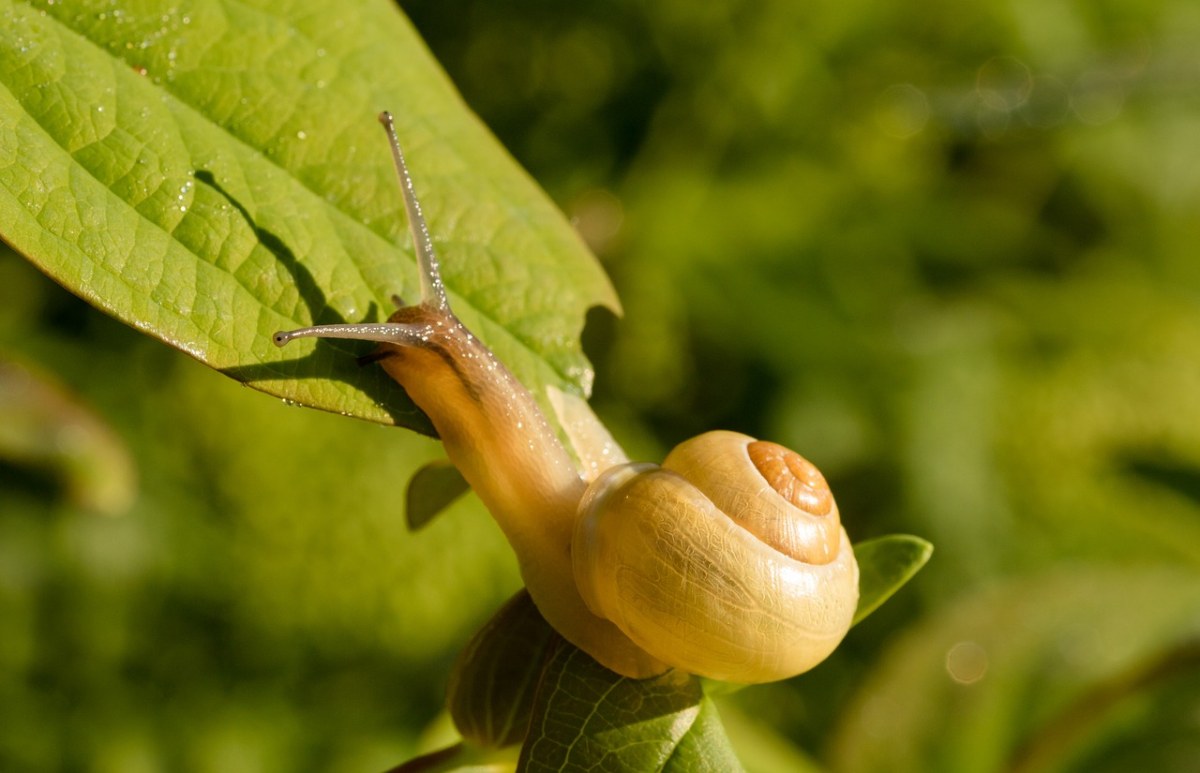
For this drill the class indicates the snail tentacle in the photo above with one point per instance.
(433, 291)
(383, 332)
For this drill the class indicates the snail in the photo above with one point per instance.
(728, 560)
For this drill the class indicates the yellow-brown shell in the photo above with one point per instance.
(729, 561)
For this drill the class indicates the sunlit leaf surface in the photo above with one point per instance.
(213, 172)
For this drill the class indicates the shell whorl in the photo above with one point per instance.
(769, 490)
(685, 559)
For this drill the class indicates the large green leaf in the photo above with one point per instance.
(213, 172)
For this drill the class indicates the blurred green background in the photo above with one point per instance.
(948, 253)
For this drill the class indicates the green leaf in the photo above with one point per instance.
(492, 686)
(214, 172)
(431, 490)
(885, 564)
(588, 718)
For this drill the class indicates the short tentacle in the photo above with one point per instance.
(381, 332)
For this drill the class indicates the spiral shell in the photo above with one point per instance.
(729, 561)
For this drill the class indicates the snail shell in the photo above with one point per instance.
(728, 561)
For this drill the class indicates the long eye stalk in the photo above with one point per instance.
(433, 292)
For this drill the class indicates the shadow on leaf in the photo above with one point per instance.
(336, 361)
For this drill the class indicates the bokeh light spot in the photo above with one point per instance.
(967, 662)
(903, 110)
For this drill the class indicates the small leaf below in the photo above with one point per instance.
(432, 489)
(885, 564)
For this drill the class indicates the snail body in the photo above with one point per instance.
(727, 561)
